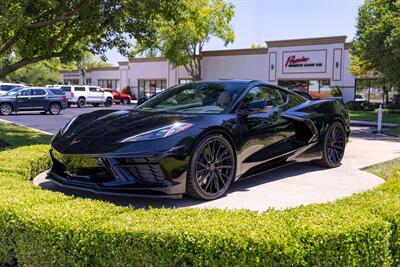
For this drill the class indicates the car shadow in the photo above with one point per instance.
(369, 133)
(146, 203)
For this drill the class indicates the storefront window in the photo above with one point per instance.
(149, 88)
(372, 90)
(108, 83)
(317, 86)
(184, 81)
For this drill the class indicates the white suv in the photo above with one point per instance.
(87, 94)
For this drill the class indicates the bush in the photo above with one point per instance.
(43, 228)
(127, 90)
(336, 92)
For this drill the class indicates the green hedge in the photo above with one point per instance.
(44, 228)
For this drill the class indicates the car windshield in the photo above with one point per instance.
(12, 92)
(203, 97)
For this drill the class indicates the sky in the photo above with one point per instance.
(258, 21)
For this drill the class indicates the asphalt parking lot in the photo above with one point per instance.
(50, 123)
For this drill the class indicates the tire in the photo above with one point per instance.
(126, 101)
(54, 108)
(95, 105)
(81, 102)
(108, 102)
(6, 109)
(334, 146)
(212, 168)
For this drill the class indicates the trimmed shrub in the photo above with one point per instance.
(44, 228)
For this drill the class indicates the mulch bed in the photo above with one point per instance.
(4, 144)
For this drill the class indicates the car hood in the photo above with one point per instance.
(120, 124)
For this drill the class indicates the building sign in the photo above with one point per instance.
(310, 61)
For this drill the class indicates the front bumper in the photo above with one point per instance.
(135, 177)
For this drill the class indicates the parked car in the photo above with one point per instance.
(197, 139)
(33, 99)
(359, 98)
(87, 94)
(5, 87)
(361, 105)
(119, 98)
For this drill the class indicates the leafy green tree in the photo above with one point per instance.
(87, 62)
(376, 46)
(38, 74)
(32, 31)
(257, 46)
(182, 40)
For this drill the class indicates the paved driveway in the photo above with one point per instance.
(50, 123)
(293, 185)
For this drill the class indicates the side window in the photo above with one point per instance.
(80, 89)
(259, 93)
(38, 92)
(66, 88)
(93, 89)
(26, 92)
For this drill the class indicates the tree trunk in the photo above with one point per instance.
(23, 62)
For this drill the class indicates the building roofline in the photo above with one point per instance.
(69, 71)
(307, 41)
(235, 52)
(104, 68)
(348, 45)
(148, 59)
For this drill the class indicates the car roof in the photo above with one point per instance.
(236, 81)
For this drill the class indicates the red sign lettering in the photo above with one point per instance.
(293, 60)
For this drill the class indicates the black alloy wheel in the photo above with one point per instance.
(81, 102)
(334, 145)
(212, 168)
(54, 108)
(6, 109)
(108, 102)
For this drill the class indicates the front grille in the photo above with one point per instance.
(113, 171)
(80, 168)
(143, 170)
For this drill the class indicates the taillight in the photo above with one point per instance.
(72, 94)
(64, 98)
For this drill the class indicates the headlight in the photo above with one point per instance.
(160, 132)
(66, 126)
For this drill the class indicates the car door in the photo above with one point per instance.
(93, 94)
(265, 133)
(39, 99)
(100, 95)
(24, 99)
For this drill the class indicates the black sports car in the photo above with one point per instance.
(197, 139)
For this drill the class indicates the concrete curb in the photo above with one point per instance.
(372, 124)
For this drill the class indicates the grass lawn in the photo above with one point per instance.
(385, 169)
(21, 136)
(389, 117)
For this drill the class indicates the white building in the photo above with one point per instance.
(313, 64)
